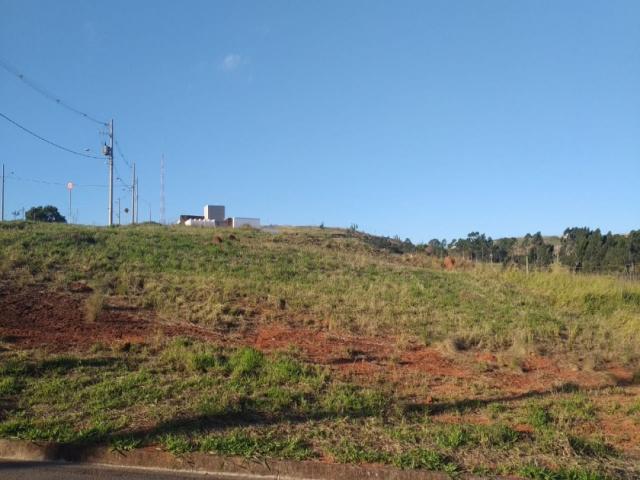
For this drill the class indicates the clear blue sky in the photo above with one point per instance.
(418, 118)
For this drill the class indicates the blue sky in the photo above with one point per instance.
(418, 118)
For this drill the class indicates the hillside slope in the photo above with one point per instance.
(314, 343)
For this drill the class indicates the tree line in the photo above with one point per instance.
(579, 248)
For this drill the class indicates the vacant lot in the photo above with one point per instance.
(316, 344)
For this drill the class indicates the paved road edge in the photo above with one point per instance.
(156, 459)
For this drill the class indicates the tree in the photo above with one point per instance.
(539, 252)
(47, 213)
(436, 247)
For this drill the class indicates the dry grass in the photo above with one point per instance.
(336, 280)
(93, 306)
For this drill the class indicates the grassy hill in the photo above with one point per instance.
(315, 343)
(331, 279)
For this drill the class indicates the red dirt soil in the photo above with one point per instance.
(36, 317)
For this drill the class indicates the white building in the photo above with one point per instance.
(237, 222)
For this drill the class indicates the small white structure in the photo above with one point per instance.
(238, 222)
(214, 216)
(214, 212)
(195, 222)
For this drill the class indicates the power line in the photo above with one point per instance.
(30, 132)
(119, 177)
(49, 182)
(122, 154)
(45, 93)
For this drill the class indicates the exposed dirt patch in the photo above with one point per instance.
(36, 317)
(320, 347)
(430, 379)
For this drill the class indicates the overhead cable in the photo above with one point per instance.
(40, 137)
(45, 93)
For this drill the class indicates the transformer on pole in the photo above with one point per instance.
(107, 150)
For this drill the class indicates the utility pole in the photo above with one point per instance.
(70, 187)
(2, 215)
(136, 201)
(133, 195)
(118, 210)
(107, 151)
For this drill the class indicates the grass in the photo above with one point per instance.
(93, 306)
(187, 395)
(335, 279)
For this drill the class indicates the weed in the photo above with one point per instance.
(454, 436)
(241, 444)
(348, 452)
(538, 416)
(634, 409)
(9, 385)
(343, 399)
(576, 409)
(246, 361)
(591, 447)
(496, 409)
(423, 459)
(124, 444)
(93, 307)
(203, 361)
(497, 435)
(176, 444)
(542, 473)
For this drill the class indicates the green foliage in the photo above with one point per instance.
(349, 452)
(192, 395)
(343, 399)
(246, 361)
(177, 444)
(573, 410)
(125, 443)
(334, 279)
(453, 437)
(497, 435)
(587, 250)
(415, 458)
(9, 385)
(239, 443)
(594, 447)
(47, 213)
(539, 416)
(542, 473)
(423, 459)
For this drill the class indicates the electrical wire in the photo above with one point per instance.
(122, 154)
(45, 93)
(119, 177)
(30, 132)
(49, 182)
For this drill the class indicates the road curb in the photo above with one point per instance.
(231, 467)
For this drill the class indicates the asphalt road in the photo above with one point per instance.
(10, 470)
